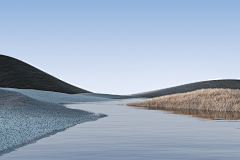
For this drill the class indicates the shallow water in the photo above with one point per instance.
(133, 133)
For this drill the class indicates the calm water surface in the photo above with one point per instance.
(133, 133)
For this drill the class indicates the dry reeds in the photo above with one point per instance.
(205, 114)
(225, 100)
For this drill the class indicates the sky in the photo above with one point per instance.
(125, 46)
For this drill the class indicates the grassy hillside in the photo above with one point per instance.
(227, 100)
(17, 74)
(226, 84)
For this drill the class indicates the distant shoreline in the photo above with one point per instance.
(227, 100)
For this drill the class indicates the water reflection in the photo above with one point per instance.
(212, 115)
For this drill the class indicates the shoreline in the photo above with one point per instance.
(226, 100)
(25, 120)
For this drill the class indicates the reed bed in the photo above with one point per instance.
(223, 100)
(205, 114)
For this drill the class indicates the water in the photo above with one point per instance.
(133, 133)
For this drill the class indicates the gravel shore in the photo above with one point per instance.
(24, 120)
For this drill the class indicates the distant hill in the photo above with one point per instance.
(17, 74)
(225, 84)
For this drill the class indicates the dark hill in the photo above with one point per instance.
(17, 74)
(225, 83)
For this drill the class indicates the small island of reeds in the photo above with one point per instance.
(203, 99)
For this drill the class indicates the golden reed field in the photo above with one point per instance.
(204, 99)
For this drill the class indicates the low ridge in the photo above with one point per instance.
(17, 74)
(224, 83)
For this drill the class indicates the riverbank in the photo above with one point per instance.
(24, 120)
(204, 99)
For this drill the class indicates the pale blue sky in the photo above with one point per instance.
(124, 46)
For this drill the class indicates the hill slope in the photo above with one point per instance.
(17, 74)
(226, 84)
